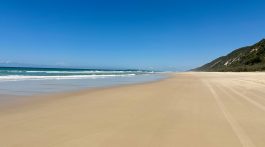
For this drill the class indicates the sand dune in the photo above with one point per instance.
(187, 110)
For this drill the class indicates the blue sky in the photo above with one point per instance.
(151, 34)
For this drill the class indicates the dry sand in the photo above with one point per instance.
(187, 110)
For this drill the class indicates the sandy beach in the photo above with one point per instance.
(187, 110)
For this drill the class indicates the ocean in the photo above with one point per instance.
(30, 81)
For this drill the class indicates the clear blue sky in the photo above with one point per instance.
(159, 34)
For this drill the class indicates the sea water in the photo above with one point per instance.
(30, 81)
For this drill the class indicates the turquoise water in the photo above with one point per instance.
(30, 81)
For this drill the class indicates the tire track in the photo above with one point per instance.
(222, 88)
(255, 103)
(240, 133)
(251, 82)
(257, 95)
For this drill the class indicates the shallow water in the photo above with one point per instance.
(32, 87)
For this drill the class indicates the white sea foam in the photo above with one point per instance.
(80, 72)
(22, 77)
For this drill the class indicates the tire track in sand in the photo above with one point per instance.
(258, 105)
(240, 133)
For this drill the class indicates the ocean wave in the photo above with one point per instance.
(21, 77)
(46, 73)
(76, 72)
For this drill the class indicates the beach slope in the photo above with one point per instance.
(187, 110)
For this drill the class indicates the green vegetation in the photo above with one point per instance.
(250, 58)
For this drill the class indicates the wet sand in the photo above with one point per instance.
(186, 110)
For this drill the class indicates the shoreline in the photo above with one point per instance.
(22, 100)
(39, 87)
(211, 109)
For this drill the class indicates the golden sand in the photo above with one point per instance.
(187, 110)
